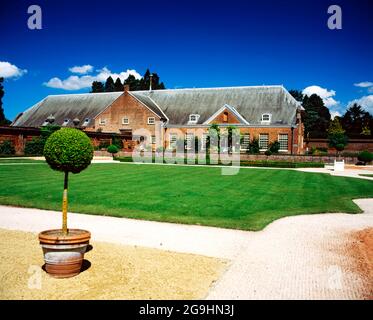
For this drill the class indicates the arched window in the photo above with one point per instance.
(225, 117)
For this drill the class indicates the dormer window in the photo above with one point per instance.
(65, 122)
(193, 118)
(266, 118)
(225, 117)
(86, 122)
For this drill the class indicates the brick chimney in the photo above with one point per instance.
(126, 88)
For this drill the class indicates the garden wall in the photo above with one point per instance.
(354, 145)
(254, 157)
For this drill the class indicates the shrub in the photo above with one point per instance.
(68, 150)
(365, 156)
(254, 146)
(34, 147)
(112, 149)
(104, 144)
(7, 148)
(268, 152)
(274, 147)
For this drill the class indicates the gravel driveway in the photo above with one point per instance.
(298, 257)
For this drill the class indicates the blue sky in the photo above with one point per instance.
(189, 44)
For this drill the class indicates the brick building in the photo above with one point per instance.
(161, 117)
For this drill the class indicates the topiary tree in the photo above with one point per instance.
(113, 149)
(68, 150)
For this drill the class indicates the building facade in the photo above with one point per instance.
(160, 118)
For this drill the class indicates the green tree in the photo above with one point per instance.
(337, 135)
(132, 82)
(3, 121)
(118, 85)
(97, 86)
(356, 119)
(297, 95)
(317, 117)
(109, 85)
(145, 81)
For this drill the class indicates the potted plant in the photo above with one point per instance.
(66, 150)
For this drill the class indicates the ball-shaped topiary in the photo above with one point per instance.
(112, 149)
(68, 150)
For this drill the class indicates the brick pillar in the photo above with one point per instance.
(19, 145)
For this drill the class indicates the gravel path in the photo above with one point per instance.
(299, 257)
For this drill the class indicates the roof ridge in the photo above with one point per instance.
(210, 88)
(82, 94)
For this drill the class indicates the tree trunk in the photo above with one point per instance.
(64, 204)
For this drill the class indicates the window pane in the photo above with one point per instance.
(283, 140)
(173, 139)
(245, 141)
(151, 120)
(189, 137)
(263, 141)
(203, 141)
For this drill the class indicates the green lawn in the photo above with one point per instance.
(19, 160)
(195, 195)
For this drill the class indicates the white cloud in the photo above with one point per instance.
(366, 102)
(325, 94)
(81, 82)
(334, 114)
(364, 84)
(81, 69)
(8, 70)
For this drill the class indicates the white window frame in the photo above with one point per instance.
(287, 142)
(172, 143)
(102, 121)
(195, 120)
(260, 141)
(151, 120)
(189, 140)
(153, 139)
(125, 122)
(248, 142)
(204, 141)
(65, 122)
(266, 121)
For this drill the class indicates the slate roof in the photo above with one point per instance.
(173, 104)
(250, 102)
(66, 106)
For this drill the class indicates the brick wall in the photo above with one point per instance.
(125, 106)
(354, 145)
(225, 117)
(273, 134)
